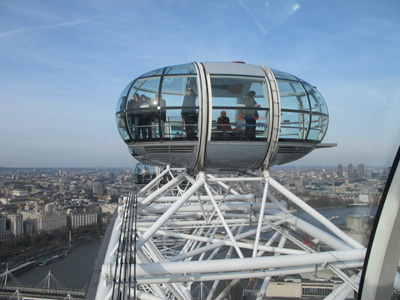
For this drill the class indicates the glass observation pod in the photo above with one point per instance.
(220, 116)
(143, 174)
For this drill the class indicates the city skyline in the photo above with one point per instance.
(338, 167)
(63, 66)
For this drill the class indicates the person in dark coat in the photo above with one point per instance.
(134, 116)
(250, 115)
(145, 116)
(189, 113)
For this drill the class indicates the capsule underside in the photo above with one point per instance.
(220, 116)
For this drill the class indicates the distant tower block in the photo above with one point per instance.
(350, 171)
(340, 170)
(99, 188)
(220, 117)
(361, 172)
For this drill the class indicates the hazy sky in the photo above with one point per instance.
(63, 65)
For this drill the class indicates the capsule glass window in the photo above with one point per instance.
(180, 107)
(316, 100)
(294, 125)
(122, 127)
(292, 95)
(143, 117)
(120, 113)
(180, 69)
(240, 108)
(319, 124)
(122, 101)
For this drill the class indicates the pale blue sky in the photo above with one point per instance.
(63, 65)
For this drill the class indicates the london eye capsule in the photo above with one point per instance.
(221, 117)
(143, 174)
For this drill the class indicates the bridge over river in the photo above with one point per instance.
(20, 292)
(49, 288)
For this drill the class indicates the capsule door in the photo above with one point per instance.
(239, 121)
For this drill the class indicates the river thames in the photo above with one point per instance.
(74, 270)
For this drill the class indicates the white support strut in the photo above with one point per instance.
(205, 232)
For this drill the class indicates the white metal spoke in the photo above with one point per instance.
(208, 236)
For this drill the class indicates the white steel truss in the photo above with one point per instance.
(202, 237)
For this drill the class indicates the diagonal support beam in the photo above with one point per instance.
(165, 217)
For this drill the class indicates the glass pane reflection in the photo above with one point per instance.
(294, 125)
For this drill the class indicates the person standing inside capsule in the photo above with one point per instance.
(189, 113)
(161, 115)
(250, 115)
(146, 114)
(134, 116)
